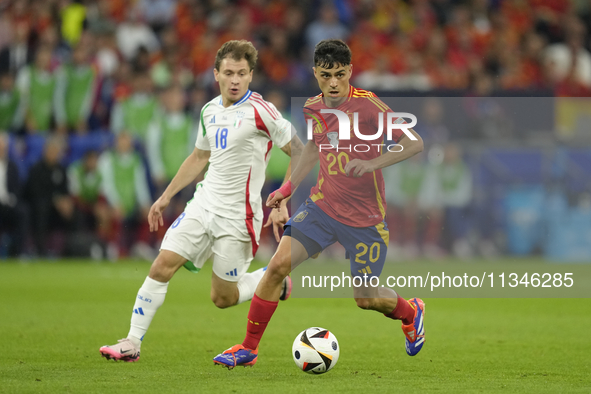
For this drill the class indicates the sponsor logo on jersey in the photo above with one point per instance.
(300, 216)
(212, 119)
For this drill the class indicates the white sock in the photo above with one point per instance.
(149, 298)
(248, 284)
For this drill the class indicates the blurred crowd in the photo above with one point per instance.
(430, 201)
(65, 64)
(89, 88)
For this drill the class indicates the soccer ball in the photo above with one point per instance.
(315, 350)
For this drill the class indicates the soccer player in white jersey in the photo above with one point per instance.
(236, 133)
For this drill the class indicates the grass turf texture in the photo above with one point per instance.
(55, 316)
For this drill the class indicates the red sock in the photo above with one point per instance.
(259, 315)
(403, 311)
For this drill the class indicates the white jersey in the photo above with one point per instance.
(240, 139)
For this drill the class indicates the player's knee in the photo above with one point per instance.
(279, 267)
(364, 303)
(165, 265)
(222, 302)
(160, 270)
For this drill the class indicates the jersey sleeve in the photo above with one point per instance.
(202, 140)
(270, 121)
(311, 113)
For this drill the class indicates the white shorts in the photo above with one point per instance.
(197, 234)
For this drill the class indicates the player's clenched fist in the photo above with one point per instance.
(358, 167)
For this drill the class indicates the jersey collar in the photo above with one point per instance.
(243, 99)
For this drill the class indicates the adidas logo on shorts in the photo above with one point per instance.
(232, 273)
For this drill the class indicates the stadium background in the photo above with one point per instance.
(140, 60)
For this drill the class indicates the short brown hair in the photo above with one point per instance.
(238, 50)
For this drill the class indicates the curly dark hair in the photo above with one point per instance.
(329, 53)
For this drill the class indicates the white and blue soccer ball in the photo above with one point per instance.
(315, 350)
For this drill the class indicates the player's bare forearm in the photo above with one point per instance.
(294, 150)
(409, 149)
(285, 179)
(189, 170)
(305, 163)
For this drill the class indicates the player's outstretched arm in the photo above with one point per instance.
(410, 148)
(191, 167)
(305, 163)
(280, 215)
(294, 150)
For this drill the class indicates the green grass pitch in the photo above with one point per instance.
(55, 316)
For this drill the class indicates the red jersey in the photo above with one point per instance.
(356, 202)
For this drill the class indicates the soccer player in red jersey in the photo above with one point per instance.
(347, 205)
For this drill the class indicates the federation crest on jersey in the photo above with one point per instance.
(333, 138)
(239, 117)
(300, 216)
